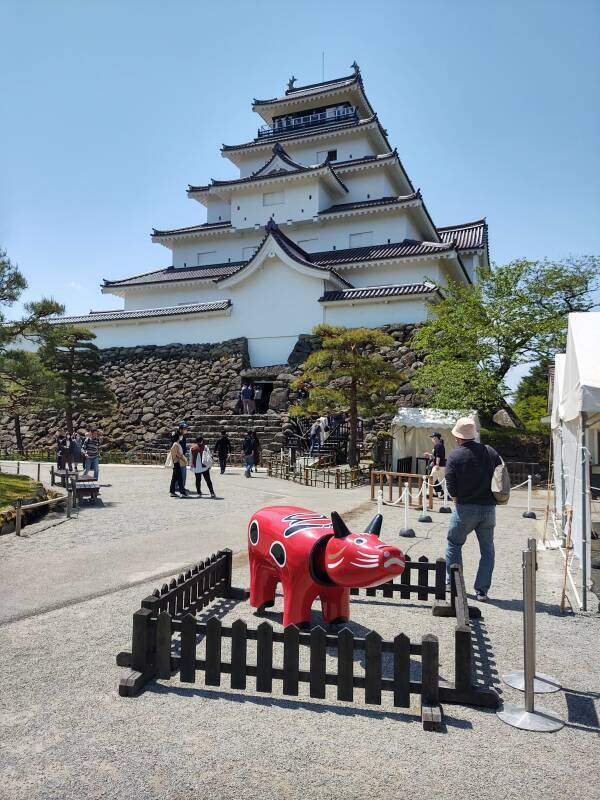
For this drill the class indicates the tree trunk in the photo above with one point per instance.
(18, 435)
(353, 427)
(69, 393)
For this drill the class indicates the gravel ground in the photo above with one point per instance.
(66, 598)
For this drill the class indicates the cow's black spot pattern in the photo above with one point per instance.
(278, 552)
(254, 533)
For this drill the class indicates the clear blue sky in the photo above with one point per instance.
(110, 108)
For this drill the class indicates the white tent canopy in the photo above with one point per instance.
(575, 415)
(412, 429)
(581, 378)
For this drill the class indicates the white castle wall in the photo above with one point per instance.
(372, 315)
(349, 146)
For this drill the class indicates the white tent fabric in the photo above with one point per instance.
(581, 379)
(412, 429)
(557, 448)
(575, 410)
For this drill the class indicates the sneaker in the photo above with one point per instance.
(174, 495)
(213, 496)
(481, 596)
(199, 494)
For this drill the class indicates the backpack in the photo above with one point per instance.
(500, 484)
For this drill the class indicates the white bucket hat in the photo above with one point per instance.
(464, 429)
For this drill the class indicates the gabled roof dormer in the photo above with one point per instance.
(277, 244)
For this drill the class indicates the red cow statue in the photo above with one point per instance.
(314, 556)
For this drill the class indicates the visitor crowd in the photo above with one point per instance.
(76, 448)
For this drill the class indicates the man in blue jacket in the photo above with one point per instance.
(469, 471)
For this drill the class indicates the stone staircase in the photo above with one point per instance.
(267, 427)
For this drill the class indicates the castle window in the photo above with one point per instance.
(323, 154)
(273, 198)
(360, 239)
(207, 257)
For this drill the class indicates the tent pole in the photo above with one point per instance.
(584, 515)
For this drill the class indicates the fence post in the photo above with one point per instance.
(529, 514)
(431, 713)
(73, 480)
(445, 508)
(52, 476)
(142, 644)
(463, 665)
(38, 472)
(372, 484)
(406, 531)
(18, 516)
(69, 502)
(424, 516)
(18, 467)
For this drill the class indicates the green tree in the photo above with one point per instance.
(26, 386)
(347, 374)
(34, 322)
(515, 314)
(72, 355)
(531, 397)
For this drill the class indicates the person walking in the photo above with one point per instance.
(469, 471)
(246, 398)
(76, 441)
(179, 461)
(258, 394)
(181, 431)
(90, 450)
(200, 463)
(437, 464)
(223, 448)
(61, 446)
(315, 437)
(248, 449)
(255, 450)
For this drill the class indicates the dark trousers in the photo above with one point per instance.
(206, 476)
(222, 462)
(177, 479)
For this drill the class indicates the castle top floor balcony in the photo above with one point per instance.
(312, 119)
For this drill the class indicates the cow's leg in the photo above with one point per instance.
(335, 602)
(297, 603)
(263, 583)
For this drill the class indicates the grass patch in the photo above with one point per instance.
(12, 487)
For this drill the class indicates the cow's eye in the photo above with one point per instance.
(359, 541)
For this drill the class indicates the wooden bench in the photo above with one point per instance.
(89, 489)
(63, 476)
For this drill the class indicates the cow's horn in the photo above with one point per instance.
(374, 526)
(340, 531)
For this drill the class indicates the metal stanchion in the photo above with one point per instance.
(69, 502)
(18, 467)
(528, 717)
(529, 514)
(445, 508)
(38, 472)
(424, 516)
(542, 684)
(406, 531)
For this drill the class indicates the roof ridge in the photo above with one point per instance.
(475, 222)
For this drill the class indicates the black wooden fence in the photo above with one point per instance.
(167, 637)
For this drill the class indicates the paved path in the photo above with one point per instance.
(67, 733)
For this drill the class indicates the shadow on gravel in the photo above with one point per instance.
(582, 714)
(484, 662)
(219, 609)
(552, 610)
(297, 705)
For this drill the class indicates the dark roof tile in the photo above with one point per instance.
(144, 313)
(377, 252)
(368, 292)
(468, 236)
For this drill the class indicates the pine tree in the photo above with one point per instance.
(26, 386)
(70, 352)
(348, 375)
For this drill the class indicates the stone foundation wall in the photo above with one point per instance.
(156, 386)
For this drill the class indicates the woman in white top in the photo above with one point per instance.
(200, 463)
